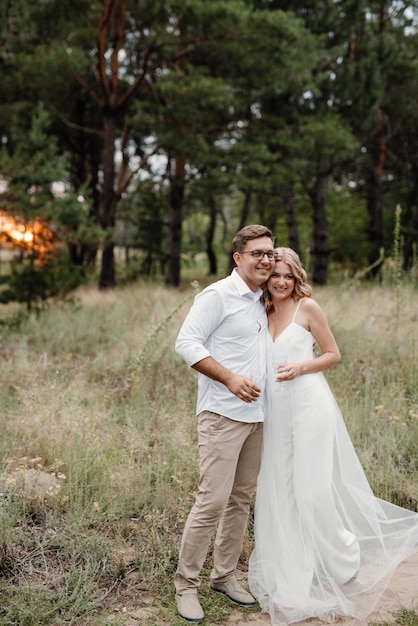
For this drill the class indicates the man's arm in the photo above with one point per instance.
(241, 386)
(206, 313)
(201, 321)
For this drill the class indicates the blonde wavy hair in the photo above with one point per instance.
(301, 289)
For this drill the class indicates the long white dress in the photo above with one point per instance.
(325, 546)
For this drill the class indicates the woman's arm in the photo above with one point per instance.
(312, 317)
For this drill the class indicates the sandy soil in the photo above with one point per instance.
(401, 594)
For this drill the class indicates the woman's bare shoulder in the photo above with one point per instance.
(308, 304)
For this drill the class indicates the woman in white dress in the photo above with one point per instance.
(325, 546)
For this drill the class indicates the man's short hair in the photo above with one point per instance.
(253, 231)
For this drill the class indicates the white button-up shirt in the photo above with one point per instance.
(227, 322)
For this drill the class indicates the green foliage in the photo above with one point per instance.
(347, 229)
(42, 270)
(404, 617)
(34, 284)
(30, 167)
(143, 229)
(250, 96)
(75, 589)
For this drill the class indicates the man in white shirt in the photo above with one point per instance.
(223, 338)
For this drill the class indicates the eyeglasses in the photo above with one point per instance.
(259, 254)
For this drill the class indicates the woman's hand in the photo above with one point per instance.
(287, 371)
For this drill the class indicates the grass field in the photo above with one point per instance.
(98, 444)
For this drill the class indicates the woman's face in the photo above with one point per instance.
(282, 282)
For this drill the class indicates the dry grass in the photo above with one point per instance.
(93, 394)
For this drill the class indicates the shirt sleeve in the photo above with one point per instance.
(203, 318)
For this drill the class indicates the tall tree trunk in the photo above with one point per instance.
(320, 249)
(375, 218)
(91, 253)
(242, 222)
(108, 202)
(291, 218)
(374, 193)
(411, 238)
(245, 209)
(107, 273)
(175, 219)
(210, 232)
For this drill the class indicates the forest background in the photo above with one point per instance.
(138, 134)
(137, 138)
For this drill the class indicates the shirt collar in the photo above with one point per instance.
(243, 288)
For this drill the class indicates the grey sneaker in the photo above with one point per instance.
(233, 590)
(188, 606)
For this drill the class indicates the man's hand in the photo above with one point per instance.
(244, 388)
(241, 386)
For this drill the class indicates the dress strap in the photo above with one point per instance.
(296, 310)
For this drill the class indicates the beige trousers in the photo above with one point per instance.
(229, 453)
